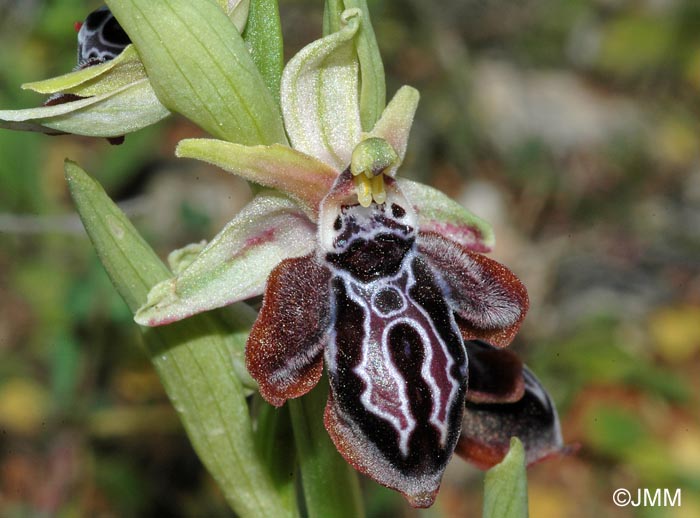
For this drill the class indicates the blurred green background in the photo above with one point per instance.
(571, 125)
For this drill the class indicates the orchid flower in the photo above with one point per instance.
(381, 279)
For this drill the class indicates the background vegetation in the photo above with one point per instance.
(572, 126)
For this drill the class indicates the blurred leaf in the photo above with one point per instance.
(124, 483)
(505, 485)
(191, 357)
(614, 430)
(65, 371)
(634, 44)
(263, 35)
(200, 67)
(593, 353)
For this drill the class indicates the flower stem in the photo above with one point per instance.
(331, 487)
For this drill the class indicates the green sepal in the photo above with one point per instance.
(100, 79)
(373, 88)
(235, 265)
(331, 487)
(320, 96)
(191, 358)
(200, 67)
(263, 35)
(505, 485)
(112, 114)
(439, 213)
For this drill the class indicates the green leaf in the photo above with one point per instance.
(331, 488)
(303, 178)
(191, 357)
(235, 265)
(438, 212)
(505, 485)
(200, 67)
(274, 428)
(263, 35)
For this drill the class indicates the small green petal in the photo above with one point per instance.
(116, 113)
(302, 177)
(95, 80)
(441, 214)
(235, 264)
(200, 67)
(505, 486)
(394, 126)
(320, 96)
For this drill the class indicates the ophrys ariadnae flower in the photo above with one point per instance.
(380, 279)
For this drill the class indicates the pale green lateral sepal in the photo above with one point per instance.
(112, 114)
(394, 125)
(439, 213)
(505, 485)
(235, 265)
(200, 67)
(192, 358)
(302, 177)
(320, 96)
(100, 79)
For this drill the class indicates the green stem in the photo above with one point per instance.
(192, 358)
(331, 487)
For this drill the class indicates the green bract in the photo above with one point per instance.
(505, 494)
